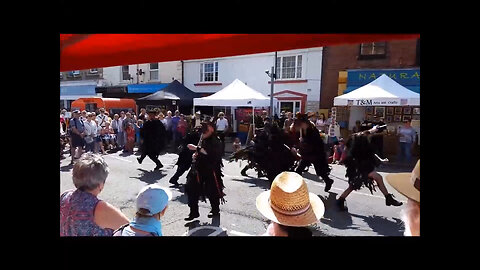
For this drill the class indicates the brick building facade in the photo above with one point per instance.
(337, 59)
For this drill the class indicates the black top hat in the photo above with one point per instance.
(152, 110)
(301, 116)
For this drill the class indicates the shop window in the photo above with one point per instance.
(125, 73)
(289, 67)
(154, 72)
(209, 72)
(373, 50)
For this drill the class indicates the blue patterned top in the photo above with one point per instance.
(76, 215)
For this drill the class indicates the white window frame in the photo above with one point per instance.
(297, 75)
(76, 73)
(294, 108)
(121, 73)
(93, 71)
(150, 72)
(215, 70)
(373, 45)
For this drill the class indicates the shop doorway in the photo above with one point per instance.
(290, 106)
(91, 107)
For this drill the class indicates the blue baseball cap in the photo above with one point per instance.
(153, 198)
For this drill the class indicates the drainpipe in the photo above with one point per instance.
(182, 73)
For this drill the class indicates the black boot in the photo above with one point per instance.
(193, 213)
(159, 166)
(389, 200)
(174, 180)
(328, 183)
(244, 171)
(215, 211)
(341, 204)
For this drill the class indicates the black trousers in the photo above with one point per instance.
(180, 171)
(153, 157)
(193, 203)
(319, 169)
(221, 135)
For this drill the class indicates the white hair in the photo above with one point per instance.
(410, 215)
(90, 171)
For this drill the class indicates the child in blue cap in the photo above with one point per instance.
(152, 202)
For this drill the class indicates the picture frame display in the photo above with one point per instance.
(407, 117)
(369, 110)
(398, 110)
(407, 110)
(390, 110)
(416, 117)
(388, 118)
(416, 110)
(380, 111)
(397, 118)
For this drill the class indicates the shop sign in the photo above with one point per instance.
(370, 102)
(405, 77)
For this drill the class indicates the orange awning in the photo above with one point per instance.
(84, 51)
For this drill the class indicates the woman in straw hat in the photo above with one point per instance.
(361, 161)
(290, 206)
(408, 184)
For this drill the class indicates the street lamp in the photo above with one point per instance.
(272, 76)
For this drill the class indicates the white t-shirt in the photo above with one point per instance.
(222, 124)
(334, 130)
(101, 119)
(90, 128)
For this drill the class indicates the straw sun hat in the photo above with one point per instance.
(405, 183)
(289, 203)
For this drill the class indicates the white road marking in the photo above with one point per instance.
(356, 192)
(239, 233)
(119, 158)
(321, 185)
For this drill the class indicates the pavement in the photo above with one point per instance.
(367, 213)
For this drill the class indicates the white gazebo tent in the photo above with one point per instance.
(383, 91)
(236, 94)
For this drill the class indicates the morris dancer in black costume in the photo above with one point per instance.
(311, 148)
(361, 161)
(185, 156)
(153, 134)
(270, 152)
(204, 180)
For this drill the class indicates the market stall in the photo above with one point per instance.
(382, 99)
(242, 99)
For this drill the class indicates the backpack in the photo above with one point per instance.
(120, 230)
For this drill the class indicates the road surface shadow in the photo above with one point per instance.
(150, 177)
(333, 217)
(126, 154)
(66, 168)
(259, 182)
(182, 198)
(399, 168)
(212, 227)
(382, 225)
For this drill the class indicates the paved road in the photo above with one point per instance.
(367, 216)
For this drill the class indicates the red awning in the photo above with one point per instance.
(84, 51)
